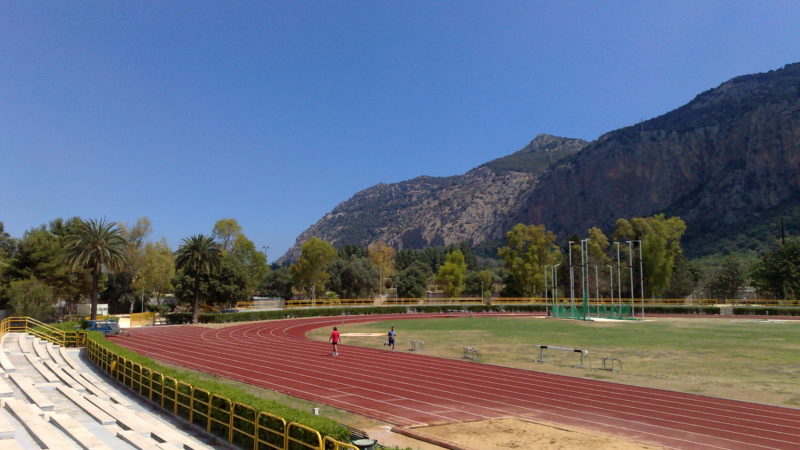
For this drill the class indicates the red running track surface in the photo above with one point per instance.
(409, 389)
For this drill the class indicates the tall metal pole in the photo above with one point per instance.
(596, 284)
(545, 282)
(630, 270)
(585, 276)
(611, 285)
(571, 279)
(555, 283)
(641, 276)
(619, 278)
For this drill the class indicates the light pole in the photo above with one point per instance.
(555, 283)
(265, 248)
(545, 282)
(584, 275)
(611, 285)
(641, 275)
(619, 279)
(630, 270)
(571, 279)
(596, 284)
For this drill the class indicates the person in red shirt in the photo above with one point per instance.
(334, 340)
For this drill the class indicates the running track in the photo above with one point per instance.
(409, 389)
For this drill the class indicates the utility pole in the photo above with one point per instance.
(630, 270)
(641, 276)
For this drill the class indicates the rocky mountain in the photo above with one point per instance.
(431, 211)
(728, 163)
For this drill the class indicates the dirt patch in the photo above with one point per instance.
(501, 434)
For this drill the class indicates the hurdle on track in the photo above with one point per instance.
(581, 353)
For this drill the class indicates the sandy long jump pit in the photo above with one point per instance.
(512, 433)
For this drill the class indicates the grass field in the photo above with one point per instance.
(751, 360)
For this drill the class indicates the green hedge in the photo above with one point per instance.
(766, 311)
(326, 427)
(678, 309)
(248, 316)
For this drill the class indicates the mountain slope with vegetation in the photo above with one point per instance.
(728, 163)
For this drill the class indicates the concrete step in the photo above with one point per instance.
(6, 430)
(77, 432)
(25, 344)
(64, 376)
(48, 375)
(5, 389)
(38, 348)
(108, 392)
(80, 400)
(89, 387)
(162, 433)
(137, 440)
(125, 418)
(45, 434)
(5, 363)
(52, 350)
(31, 392)
(69, 357)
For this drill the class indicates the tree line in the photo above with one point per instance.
(69, 261)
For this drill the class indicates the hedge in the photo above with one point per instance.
(766, 311)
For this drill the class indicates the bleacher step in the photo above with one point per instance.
(52, 350)
(5, 363)
(6, 431)
(37, 364)
(5, 389)
(125, 418)
(45, 434)
(78, 432)
(38, 348)
(78, 399)
(161, 432)
(68, 380)
(25, 344)
(137, 440)
(30, 391)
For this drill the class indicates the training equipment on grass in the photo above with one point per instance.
(581, 353)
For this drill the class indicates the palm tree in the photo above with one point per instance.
(198, 254)
(97, 246)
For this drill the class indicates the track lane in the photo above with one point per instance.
(278, 356)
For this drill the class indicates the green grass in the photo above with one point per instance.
(743, 359)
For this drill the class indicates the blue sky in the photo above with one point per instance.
(274, 112)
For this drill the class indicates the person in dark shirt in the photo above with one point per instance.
(391, 335)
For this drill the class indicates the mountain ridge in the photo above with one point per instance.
(728, 157)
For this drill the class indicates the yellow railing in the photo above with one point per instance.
(237, 423)
(43, 331)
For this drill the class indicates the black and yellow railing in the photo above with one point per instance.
(237, 423)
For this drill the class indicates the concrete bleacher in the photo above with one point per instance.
(52, 397)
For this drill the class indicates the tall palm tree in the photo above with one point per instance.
(197, 254)
(97, 246)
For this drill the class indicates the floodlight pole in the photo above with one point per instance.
(571, 279)
(555, 282)
(630, 270)
(641, 276)
(545, 282)
(619, 278)
(611, 284)
(596, 284)
(584, 275)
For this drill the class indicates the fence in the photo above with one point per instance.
(239, 424)
(323, 302)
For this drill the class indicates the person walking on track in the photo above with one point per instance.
(334, 340)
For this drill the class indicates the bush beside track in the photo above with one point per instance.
(766, 311)
(326, 427)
